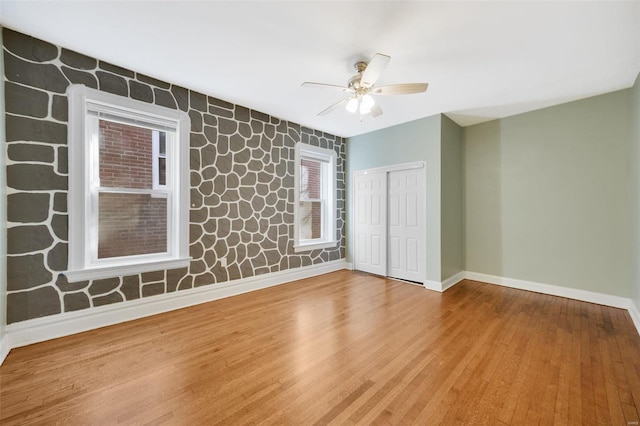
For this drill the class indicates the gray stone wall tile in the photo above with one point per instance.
(152, 81)
(131, 287)
(34, 177)
(34, 130)
(76, 301)
(174, 276)
(60, 202)
(242, 114)
(26, 207)
(30, 152)
(114, 297)
(112, 83)
(164, 98)
(196, 121)
(140, 91)
(57, 258)
(181, 95)
(209, 119)
(221, 112)
(28, 47)
(77, 60)
(116, 69)
(59, 224)
(103, 286)
(36, 303)
(60, 108)
(219, 103)
(27, 239)
(23, 100)
(41, 76)
(62, 164)
(259, 116)
(197, 101)
(152, 289)
(152, 276)
(24, 272)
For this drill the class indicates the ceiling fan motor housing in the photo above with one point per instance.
(354, 82)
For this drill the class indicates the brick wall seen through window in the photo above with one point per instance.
(129, 224)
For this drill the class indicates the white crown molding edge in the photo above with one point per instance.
(40, 329)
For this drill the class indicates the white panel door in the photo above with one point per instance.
(370, 230)
(406, 224)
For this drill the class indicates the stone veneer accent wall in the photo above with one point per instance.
(242, 167)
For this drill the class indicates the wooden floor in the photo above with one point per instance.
(343, 348)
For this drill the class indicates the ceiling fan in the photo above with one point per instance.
(362, 85)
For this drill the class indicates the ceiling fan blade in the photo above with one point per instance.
(326, 86)
(374, 70)
(333, 107)
(375, 110)
(400, 89)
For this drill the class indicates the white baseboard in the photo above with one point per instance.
(432, 285)
(570, 293)
(41, 329)
(453, 280)
(4, 348)
(634, 312)
(448, 283)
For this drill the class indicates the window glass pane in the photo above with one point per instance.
(162, 144)
(130, 224)
(125, 155)
(310, 220)
(310, 179)
(162, 171)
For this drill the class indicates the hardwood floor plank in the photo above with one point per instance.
(342, 348)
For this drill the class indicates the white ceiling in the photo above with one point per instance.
(482, 60)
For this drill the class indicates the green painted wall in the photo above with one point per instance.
(546, 195)
(452, 196)
(635, 190)
(417, 140)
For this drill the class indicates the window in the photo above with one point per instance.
(159, 159)
(315, 198)
(128, 186)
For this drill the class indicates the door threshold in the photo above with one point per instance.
(407, 281)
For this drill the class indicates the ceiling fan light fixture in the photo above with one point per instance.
(362, 85)
(352, 105)
(366, 103)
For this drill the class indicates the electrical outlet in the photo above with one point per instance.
(223, 262)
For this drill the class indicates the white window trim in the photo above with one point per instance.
(82, 262)
(155, 156)
(326, 156)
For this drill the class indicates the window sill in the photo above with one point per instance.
(314, 246)
(124, 269)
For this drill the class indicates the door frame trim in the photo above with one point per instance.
(393, 168)
(387, 170)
